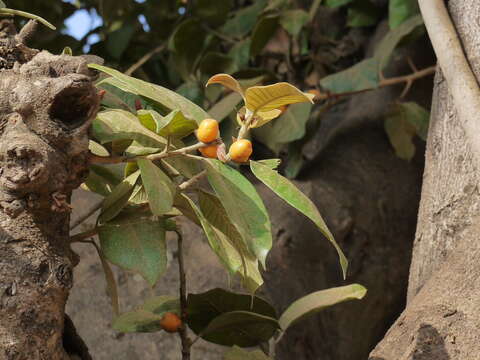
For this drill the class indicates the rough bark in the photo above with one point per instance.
(46, 104)
(441, 319)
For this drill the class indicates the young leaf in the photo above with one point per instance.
(241, 328)
(244, 207)
(139, 321)
(294, 20)
(401, 10)
(164, 98)
(237, 353)
(204, 308)
(318, 301)
(271, 97)
(294, 197)
(113, 125)
(136, 244)
(159, 187)
(118, 198)
(226, 80)
(177, 125)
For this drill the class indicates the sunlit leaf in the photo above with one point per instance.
(317, 301)
(97, 149)
(151, 119)
(166, 99)
(294, 197)
(113, 125)
(226, 80)
(136, 244)
(118, 198)
(159, 305)
(159, 187)
(244, 207)
(271, 97)
(270, 163)
(177, 125)
(6, 11)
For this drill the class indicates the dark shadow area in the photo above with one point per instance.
(429, 346)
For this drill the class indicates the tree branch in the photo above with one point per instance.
(462, 83)
(143, 60)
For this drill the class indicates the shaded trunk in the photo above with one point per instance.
(441, 319)
(46, 105)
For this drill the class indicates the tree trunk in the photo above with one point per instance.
(441, 319)
(46, 105)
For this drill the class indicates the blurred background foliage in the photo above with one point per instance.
(179, 44)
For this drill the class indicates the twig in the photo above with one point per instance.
(185, 185)
(410, 78)
(84, 235)
(462, 83)
(87, 214)
(94, 159)
(143, 60)
(186, 342)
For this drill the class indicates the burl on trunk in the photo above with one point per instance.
(46, 105)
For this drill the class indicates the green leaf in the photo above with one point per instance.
(67, 50)
(317, 301)
(160, 189)
(118, 40)
(188, 42)
(401, 10)
(166, 99)
(362, 13)
(244, 207)
(215, 62)
(118, 198)
(115, 97)
(139, 321)
(97, 149)
(113, 125)
(361, 76)
(225, 107)
(177, 125)
(151, 119)
(290, 126)
(294, 197)
(2, 4)
(263, 32)
(136, 244)
(263, 99)
(270, 163)
(240, 53)
(402, 123)
(385, 48)
(336, 3)
(244, 20)
(204, 308)
(186, 166)
(112, 289)
(244, 261)
(293, 21)
(159, 305)
(214, 12)
(6, 11)
(241, 328)
(237, 353)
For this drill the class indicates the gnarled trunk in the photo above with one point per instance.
(46, 104)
